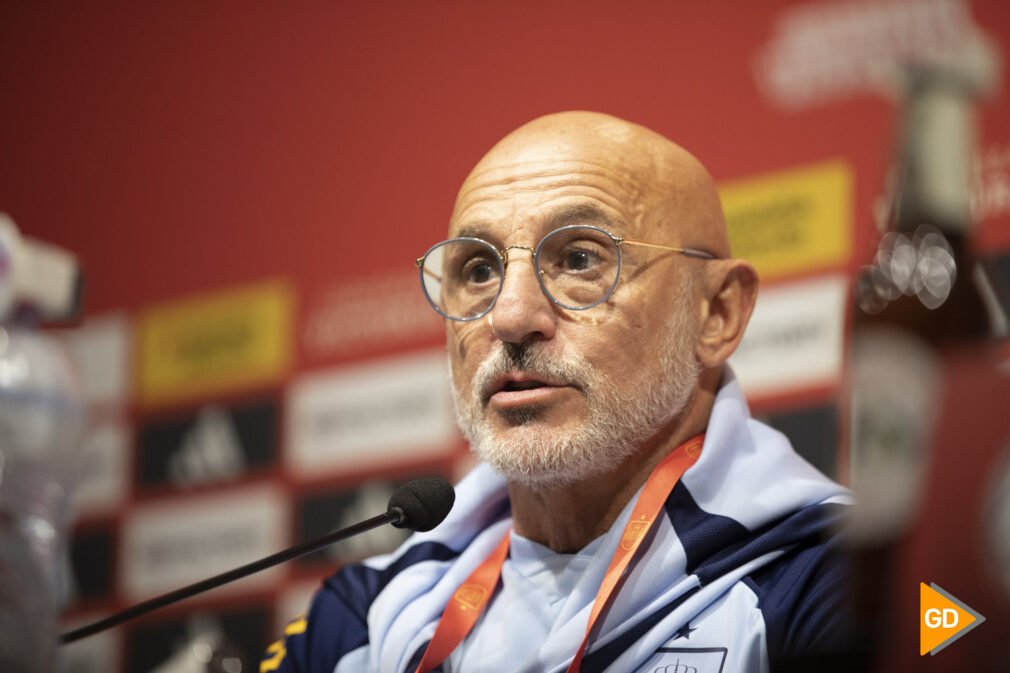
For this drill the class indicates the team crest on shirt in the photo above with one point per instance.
(633, 532)
(688, 660)
(470, 596)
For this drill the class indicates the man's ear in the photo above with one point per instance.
(730, 289)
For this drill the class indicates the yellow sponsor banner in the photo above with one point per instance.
(793, 221)
(215, 342)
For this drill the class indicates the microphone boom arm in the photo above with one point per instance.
(395, 515)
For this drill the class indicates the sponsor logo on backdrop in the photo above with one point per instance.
(377, 310)
(366, 415)
(100, 351)
(214, 444)
(322, 513)
(210, 450)
(795, 337)
(104, 468)
(791, 221)
(822, 52)
(171, 544)
(215, 343)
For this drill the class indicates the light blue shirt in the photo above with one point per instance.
(535, 584)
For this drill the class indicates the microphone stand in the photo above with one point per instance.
(395, 515)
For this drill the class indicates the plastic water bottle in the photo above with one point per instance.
(41, 425)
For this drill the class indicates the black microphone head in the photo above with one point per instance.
(424, 503)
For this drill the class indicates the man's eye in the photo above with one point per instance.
(479, 271)
(580, 260)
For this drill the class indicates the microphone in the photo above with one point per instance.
(419, 505)
(422, 503)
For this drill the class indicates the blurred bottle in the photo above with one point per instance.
(41, 423)
(923, 293)
(923, 298)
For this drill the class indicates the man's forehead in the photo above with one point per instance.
(637, 178)
(549, 219)
(558, 153)
(546, 191)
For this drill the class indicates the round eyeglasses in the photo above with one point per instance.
(577, 267)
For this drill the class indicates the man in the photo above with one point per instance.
(628, 514)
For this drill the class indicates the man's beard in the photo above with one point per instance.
(620, 415)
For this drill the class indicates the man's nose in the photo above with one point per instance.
(522, 313)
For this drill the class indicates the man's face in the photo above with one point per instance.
(546, 395)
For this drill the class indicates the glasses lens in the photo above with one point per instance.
(578, 266)
(462, 277)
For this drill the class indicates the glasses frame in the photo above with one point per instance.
(503, 261)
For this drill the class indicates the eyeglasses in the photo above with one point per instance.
(577, 267)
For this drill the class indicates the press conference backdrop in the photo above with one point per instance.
(248, 186)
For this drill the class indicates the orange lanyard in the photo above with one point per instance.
(472, 596)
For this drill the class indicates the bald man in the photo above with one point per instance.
(628, 514)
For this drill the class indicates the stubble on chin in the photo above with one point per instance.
(522, 415)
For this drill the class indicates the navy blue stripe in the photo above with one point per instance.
(804, 528)
(715, 544)
(796, 613)
(802, 600)
(338, 620)
(415, 660)
(598, 660)
(702, 534)
(357, 585)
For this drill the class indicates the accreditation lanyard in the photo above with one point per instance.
(472, 596)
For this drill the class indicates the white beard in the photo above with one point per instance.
(616, 422)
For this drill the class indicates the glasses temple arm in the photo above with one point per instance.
(426, 271)
(689, 252)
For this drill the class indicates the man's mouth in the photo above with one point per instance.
(520, 387)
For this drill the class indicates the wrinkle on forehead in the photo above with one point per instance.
(659, 188)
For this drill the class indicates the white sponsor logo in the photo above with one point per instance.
(100, 353)
(397, 408)
(168, 545)
(795, 337)
(825, 51)
(104, 469)
(370, 498)
(210, 450)
(376, 310)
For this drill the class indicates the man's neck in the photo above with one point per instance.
(567, 518)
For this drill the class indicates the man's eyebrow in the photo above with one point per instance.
(577, 214)
(472, 231)
(583, 213)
